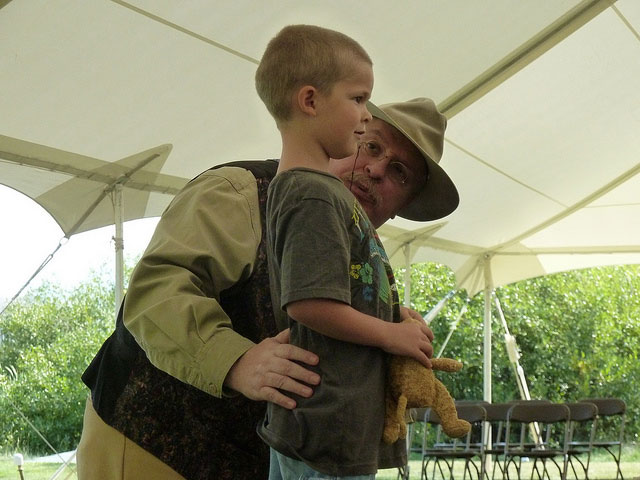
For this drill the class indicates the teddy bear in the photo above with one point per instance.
(412, 385)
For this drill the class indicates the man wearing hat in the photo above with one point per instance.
(178, 388)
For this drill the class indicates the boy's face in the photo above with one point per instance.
(372, 180)
(343, 113)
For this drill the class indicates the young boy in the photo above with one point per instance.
(331, 281)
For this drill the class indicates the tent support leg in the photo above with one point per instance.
(119, 244)
(488, 291)
(514, 355)
(406, 248)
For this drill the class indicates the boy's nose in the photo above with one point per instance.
(367, 115)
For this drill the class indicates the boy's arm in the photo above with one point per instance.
(342, 322)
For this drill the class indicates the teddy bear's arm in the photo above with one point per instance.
(391, 426)
(400, 415)
(446, 364)
(445, 407)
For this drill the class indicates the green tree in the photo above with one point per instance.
(578, 334)
(49, 336)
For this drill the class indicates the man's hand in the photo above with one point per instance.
(268, 368)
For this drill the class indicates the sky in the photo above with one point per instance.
(29, 235)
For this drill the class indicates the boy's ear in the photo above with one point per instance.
(306, 100)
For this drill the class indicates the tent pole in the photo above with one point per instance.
(454, 325)
(514, 354)
(404, 472)
(486, 364)
(406, 248)
(119, 243)
(521, 379)
(488, 291)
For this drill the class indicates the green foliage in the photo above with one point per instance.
(49, 336)
(577, 333)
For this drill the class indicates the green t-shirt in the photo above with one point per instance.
(322, 245)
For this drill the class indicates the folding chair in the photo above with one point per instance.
(549, 446)
(415, 435)
(440, 451)
(471, 402)
(496, 421)
(496, 418)
(582, 429)
(610, 432)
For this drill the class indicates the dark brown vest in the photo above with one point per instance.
(198, 435)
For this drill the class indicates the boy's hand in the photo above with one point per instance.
(269, 367)
(411, 340)
(406, 312)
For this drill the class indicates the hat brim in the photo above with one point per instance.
(439, 196)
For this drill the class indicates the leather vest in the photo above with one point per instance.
(196, 434)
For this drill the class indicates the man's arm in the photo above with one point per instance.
(205, 242)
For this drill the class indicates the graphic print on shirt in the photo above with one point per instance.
(370, 266)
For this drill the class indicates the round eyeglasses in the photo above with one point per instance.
(398, 172)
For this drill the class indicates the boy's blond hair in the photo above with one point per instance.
(304, 55)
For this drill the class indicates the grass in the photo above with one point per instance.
(601, 469)
(597, 471)
(34, 470)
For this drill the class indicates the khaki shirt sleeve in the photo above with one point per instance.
(205, 242)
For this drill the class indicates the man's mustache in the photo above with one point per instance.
(364, 183)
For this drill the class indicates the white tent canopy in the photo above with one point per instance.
(543, 103)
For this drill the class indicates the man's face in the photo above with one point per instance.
(376, 182)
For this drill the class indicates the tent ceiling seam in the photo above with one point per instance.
(41, 164)
(503, 173)
(186, 31)
(403, 237)
(451, 246)
(613, 205)
(575, 207)
(475, 273)
(465, 249)
(626, 22)
(574, 250)
(523, 56)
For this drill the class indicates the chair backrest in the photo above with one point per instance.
(471, 402)
(497, 418)
(538, 412)
(582, 411)
(418, 414)
(468, 412)
(583, 425)
(530, 400)
(611, 419)
(497, 412)
(608, 406)
(474, 414)
(554, 417)
(439, 450)
(415, 430)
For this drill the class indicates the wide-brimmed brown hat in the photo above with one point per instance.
(420, 121)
